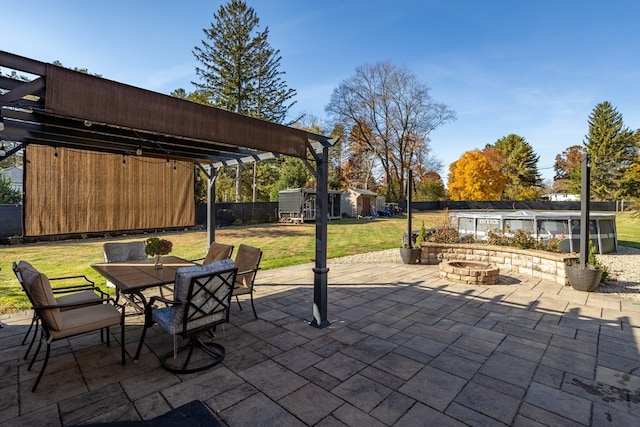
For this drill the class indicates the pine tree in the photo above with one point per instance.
(613, 150)
(239, 70)
(520, 167)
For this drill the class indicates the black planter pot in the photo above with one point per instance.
(583, 279)
(410, 255)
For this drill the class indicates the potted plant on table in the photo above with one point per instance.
(157, 247)
(587, 278)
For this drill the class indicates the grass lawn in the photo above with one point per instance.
(283, 245)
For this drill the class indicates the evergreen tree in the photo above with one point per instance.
(613, 150)
(520, 167)
(239, 70)
(8, 194)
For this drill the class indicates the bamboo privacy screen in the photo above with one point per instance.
(72, 191)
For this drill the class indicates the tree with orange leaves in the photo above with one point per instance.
(474, 177)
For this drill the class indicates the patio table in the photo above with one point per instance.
(133, 277)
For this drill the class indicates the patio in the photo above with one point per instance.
(415, 351)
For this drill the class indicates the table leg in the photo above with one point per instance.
(147, 320)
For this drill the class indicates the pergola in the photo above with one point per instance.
(63, 108)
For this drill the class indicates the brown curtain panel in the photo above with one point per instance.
(72, 191)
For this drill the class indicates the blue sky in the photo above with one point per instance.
(533, 68)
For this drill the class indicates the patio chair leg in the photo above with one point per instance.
(44, 366)
(35, 354)
(33, 339)
(122, 337)
(253, 307)
(238, 301)
(33, 321)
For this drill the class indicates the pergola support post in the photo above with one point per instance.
(320, 271)
(211, 206)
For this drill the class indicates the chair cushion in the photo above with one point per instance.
(24, 265)
(38, 286)
(82, 297)
(184, 275)
(86, 319)
(217, 252)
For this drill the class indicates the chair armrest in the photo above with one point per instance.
(73, 277)
(70, 305)
(78, 288)
(253, 270)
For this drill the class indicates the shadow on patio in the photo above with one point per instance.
(420, 351)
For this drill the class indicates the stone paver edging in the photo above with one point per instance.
(534, 263)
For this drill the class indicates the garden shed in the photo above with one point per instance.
(299, 205)
(359, 203)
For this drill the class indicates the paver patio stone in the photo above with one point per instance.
(606, 394)
(340, 365)
(476, 344)
(419, 413)
(151, 406)
(369, 350)
(546, 418)
(398, 365)
(311, 403)
(362, 392)
(232, 396)
(471, 417)
(518, 331)
(76, 409)
(509, 369)
(569, 361)
(45, 416)
(499, 386)
(259, 410)
(297, 359)
(433, 387)
(273, 379)
(489, 402)
(456, 365)
(559, 402)
(347, 335)
(604, 416)
(392, 408)
(352, 416)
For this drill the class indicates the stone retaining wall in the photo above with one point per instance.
(545, 265)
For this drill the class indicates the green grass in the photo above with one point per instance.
(283, 245)
(628, 225)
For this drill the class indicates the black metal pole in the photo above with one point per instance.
(320, 271)
(211, 207)
(585, 195)
(409, 231)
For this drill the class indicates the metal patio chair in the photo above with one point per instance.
(248, 263)
(57, 324)
(202, 300)
(81, 294)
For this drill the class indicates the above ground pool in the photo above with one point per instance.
(564, 225)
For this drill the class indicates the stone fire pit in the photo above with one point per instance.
(472, 273)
